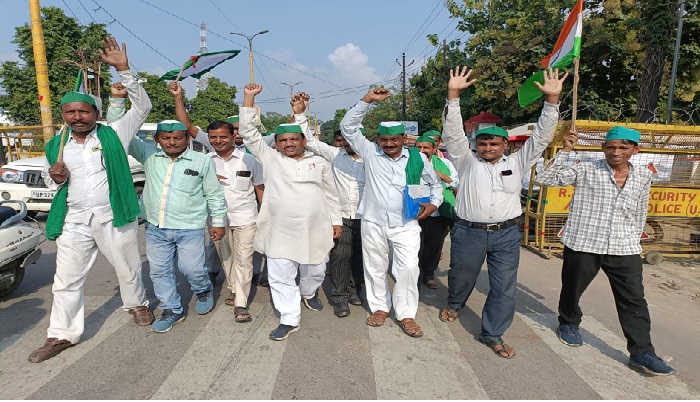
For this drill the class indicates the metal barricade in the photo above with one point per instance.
(673, 217)
(22, 141)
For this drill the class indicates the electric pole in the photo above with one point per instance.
(403, 78)
(42, 70)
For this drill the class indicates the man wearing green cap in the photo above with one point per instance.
(435, 228)
(387, 232)
(487, 205)
(345, 265)
(95, 207)
(606, 219)
(299, 217)
(181, 191)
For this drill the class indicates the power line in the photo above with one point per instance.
(136, 36)
(86, 10)
(71, 11)
(419, 32)
(226, 16)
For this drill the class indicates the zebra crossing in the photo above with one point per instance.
(212, 357)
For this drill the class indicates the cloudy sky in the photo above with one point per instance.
(335, 49)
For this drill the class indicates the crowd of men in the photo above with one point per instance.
(366, 210)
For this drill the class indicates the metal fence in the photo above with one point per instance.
(673, 221)
(22, 141)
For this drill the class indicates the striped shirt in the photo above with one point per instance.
(603, 218)
(180, 193)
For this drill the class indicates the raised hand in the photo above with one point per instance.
(300, 102)
(552, 85)
(459, 79)
(117, 90)
(376, 95)
(569, 141)
(113, 55)
(252, 89)
(175, 89)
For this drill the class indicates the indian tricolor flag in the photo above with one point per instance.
(568, 48)
(197, 66)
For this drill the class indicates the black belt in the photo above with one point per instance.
(489, 227)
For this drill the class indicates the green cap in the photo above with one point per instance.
(433, 133)
(391, 128)
(622, 133)
(425, 138)
(77, 97)
(493, 130)
(232, 119)
(288, 129)
(170, 125)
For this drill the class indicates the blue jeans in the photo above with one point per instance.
(501, 249)
(162, 245)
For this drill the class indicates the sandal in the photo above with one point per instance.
(409, 326)
(500, 348)
(448, 314)
(242, 314)
(430, 284)
(231, 300)
(377, 319)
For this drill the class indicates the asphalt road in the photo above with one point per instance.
(212, 357)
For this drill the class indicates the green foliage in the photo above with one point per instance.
(213, 103)
(273, 119)
(162, 100)
(63, 36)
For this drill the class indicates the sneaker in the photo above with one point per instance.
(167, 320)
(569, 335)
(282, 332)
(650, 363)
(204, 303)
(313, 303)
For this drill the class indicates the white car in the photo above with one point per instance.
(21, 179)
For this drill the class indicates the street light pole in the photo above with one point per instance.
(291, 91)
(250, 49)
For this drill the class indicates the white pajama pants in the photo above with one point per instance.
(401, 244)
(286, 295)
(76, 251)
(236, 253)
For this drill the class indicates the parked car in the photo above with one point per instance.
(21, 179)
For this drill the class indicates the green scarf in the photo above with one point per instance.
(122, 196)
(447, 208)
(414, 167)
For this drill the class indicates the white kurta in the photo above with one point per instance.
(301, 202)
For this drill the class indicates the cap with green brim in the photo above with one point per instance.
(171, 125)
(425, 138)
(391, 128)
(288, 129)
(432, 133)
(77, 97)
(493, 130)
(622, 133)
(232, 119)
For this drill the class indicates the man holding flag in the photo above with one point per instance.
(487, 205)
(95, 206)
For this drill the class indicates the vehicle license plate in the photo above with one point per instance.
(43, 194)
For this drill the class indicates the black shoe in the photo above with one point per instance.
(212, 277)
(341, 310)
(354, 299)
(263, 281)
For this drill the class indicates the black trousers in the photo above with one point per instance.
(346, 272)
(433, 231)
(625, 276)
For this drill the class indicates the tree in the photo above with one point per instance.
(213, 103)
(161, 98)
(63, 36)
(273, 119)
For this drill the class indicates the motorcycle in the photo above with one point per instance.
(19, 245)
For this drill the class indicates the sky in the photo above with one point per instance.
(334, 50)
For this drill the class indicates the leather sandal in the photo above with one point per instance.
(142, 315)
(377, 318)
(500, 348)
(448, 314)
(231, 300)
(242, 314)
(409, 326)
(51, 348)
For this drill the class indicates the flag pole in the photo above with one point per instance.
(574, 103)
(79, 80)
(181, 70)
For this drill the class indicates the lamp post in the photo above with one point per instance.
(291, 91)
(250, 49)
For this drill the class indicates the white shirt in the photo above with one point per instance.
(242, 173)
(89, 191)
(349, 173)
(490, 193)
(382, 201)
(301, 202)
